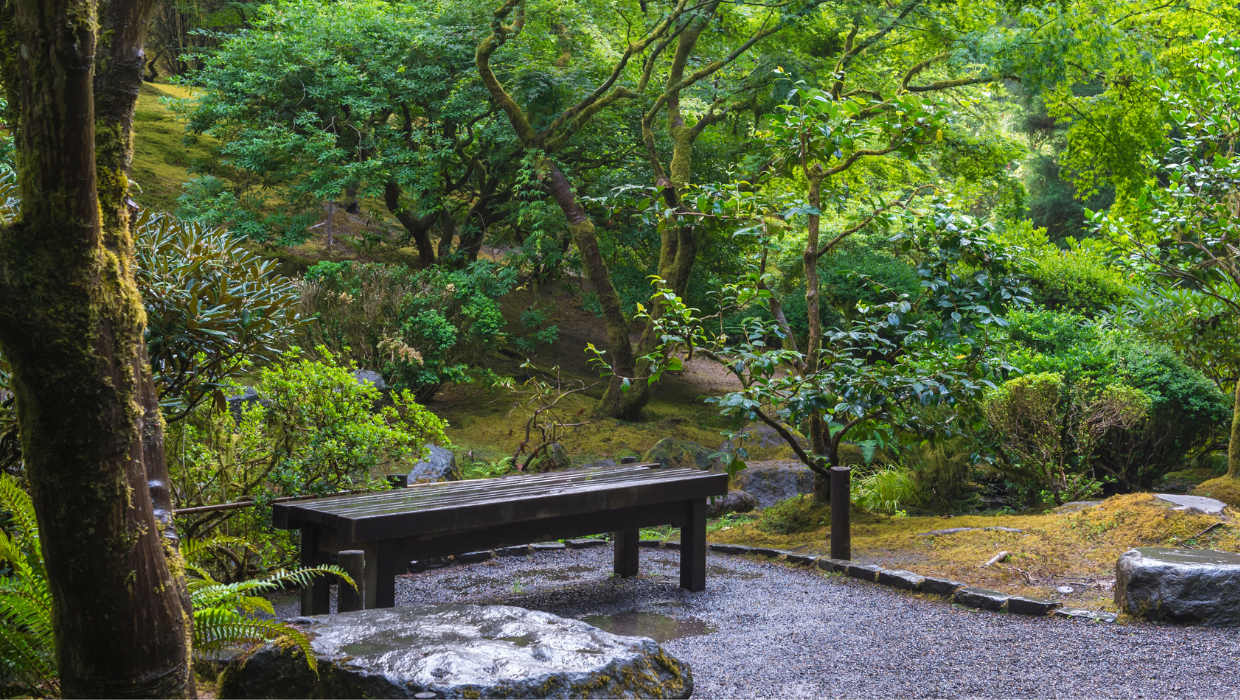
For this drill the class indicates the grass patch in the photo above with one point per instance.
(1052, 549)
(161, 157)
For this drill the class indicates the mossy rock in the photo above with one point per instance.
(673, 452)
(1224, 488)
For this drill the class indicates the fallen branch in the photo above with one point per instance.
(1208, 529)
(1001, 556)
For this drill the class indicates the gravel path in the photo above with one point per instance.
(779, 631)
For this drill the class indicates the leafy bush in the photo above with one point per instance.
(1187, 411)
(1078, 279)
(213, 308)
(314, 431)
(940, 471)
(795, 515)
(420, 329)
(1047, 433)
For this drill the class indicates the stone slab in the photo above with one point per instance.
(473, 557)
(1025, 605)
(901, 579)
(1081, 614)
(547, 546)
(586, 543)
(1179, 585)
(936, 585)
(672, 544)
(417, 566)
(729, 548)
(765, 552)
(984, 598)
(519, 550)
(494, 651)
(1209, 506)
(650, 544)
(865, 572)
(835, 566)
(802, 559)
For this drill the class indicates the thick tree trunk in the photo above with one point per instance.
(819, 436)
(1233, 445)
(71, 326)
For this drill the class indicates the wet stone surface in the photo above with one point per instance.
(866, 640)
(1180, 585)
(458, 651)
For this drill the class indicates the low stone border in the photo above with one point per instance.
(955, 591)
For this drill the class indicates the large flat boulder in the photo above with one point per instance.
(1179, 585)
(734, 502)
(459, 651)
(772, 482)
(1209, 506)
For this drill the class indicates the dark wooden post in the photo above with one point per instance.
(381, 569)
(624, 544)
(348, 599)
(841, 505)
(693, 546)
(316, 598)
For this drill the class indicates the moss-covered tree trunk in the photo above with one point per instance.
(71, 326)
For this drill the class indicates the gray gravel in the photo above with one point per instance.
(781, 631)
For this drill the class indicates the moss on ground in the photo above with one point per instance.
(1053, 549)
(161, 156)
(1224, 488)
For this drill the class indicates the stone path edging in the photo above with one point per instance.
(954, 591)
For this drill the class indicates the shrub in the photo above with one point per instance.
(940, 471)
(1186, 410)
(1078, 279)
(1224, 488)
(315, 431)
(1047, 433)
(419, 329)
(795, 515)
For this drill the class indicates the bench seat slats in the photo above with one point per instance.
(427, 510)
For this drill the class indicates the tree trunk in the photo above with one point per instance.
(819, 434)
(71, 326)
(623, 361)
(1233, 445)
(419, 228)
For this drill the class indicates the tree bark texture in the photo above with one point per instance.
(71, 326)
(1233, 445)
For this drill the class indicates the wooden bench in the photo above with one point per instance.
(435, 520)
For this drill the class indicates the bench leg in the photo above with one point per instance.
(693, 546)
(625, 545)
(316, 599)
(348, 599)
(382, 566)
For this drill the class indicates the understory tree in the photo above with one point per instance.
(71, 328)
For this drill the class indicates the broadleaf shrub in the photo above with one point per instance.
(419, 328)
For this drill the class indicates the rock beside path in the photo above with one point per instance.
(439, 465)
(1179, 585)
(734, 502)
(772, 482)
(458, 651)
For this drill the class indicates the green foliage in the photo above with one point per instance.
(1078, 279)
(27, 647)
(885, 490)
(213, 308)
(1047, 433)
(1186, 411)
(940, 471)
(795, 515)
(225, 613)
(420, 329)
(316, 430)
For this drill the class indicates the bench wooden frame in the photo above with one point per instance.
(435, 520)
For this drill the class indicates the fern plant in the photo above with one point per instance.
(224, 613)
(27, 651)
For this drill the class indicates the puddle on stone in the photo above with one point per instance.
(659, 627)
(716, 570)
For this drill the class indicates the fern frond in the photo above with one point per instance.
(14, 499)
(219, 628)
(192, 549)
